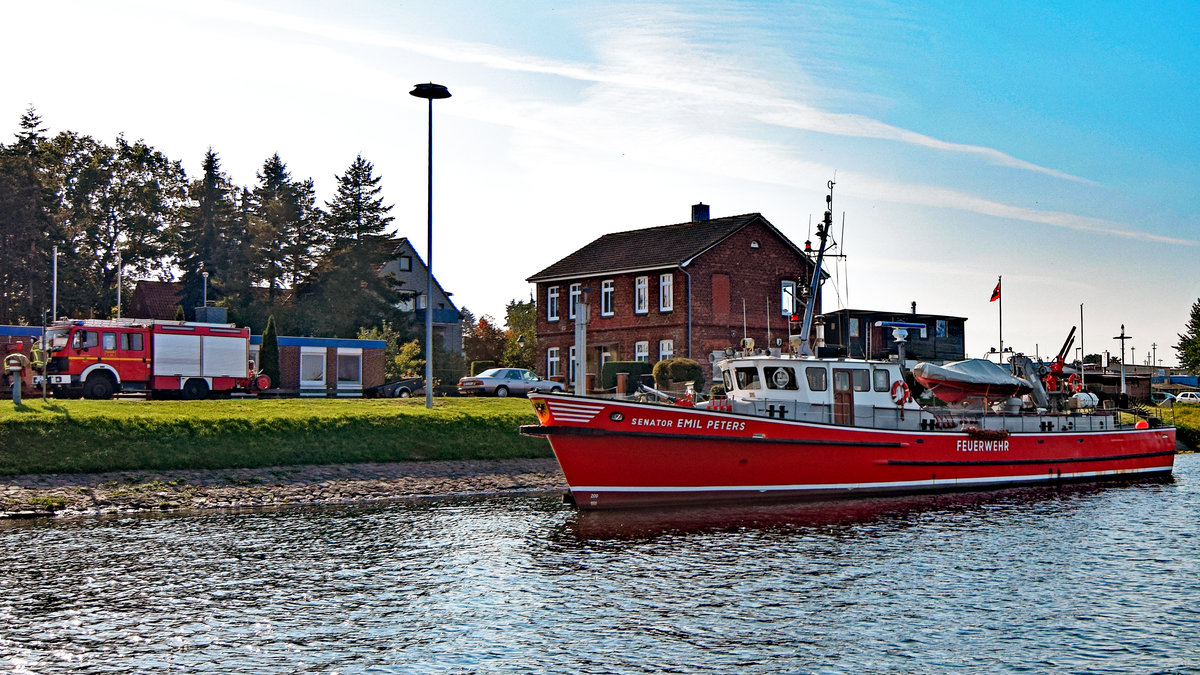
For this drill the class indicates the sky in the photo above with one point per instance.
(1054, 144)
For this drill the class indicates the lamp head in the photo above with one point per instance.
(430, 91)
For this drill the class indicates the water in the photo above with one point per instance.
(1087, 579)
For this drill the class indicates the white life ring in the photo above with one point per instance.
(899, 392)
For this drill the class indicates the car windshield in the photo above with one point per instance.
(56, 340)
(491, 372)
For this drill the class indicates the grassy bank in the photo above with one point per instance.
(63, 436)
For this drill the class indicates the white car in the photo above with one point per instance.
(1188, 397)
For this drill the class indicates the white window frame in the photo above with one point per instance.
(666, 292)
(641, 351)
(313, 352)
(787, 297)
(552, 367)
(641, 295)
(349, 385)
(607, 294)
(666, 349)
(552, 303)
(574, 296)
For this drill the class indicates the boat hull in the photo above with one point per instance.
(618, 454)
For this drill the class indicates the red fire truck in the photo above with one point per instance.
(97, 359)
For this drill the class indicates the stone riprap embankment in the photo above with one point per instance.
(131, 491)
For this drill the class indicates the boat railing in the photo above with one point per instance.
(948, 419)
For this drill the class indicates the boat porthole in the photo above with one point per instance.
(616, 417)
(781, 378)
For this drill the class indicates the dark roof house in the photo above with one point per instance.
(687, 289)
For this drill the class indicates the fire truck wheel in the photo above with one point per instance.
(99, 386)
(195, 389)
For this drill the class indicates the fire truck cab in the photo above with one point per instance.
(96, 359)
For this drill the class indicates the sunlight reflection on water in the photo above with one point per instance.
(1096, 578)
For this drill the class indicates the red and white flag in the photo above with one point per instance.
(995, 293)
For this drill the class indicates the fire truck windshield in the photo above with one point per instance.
(56, 339)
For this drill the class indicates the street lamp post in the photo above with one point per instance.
(204, 296)
(429, 91)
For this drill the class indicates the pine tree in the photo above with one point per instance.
(268, 353)
(208, 237)
(357, 212)
(1188, 348)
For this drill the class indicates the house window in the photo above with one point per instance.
(787, 298)
(571, 365)
(641, 295)
(405, 263)
(349, 368)
(606, 298)
(666, 292)
(552, 362)
(408, 303)
(312, 367)
(641, 351)
(854, 328)
(552, 303)
(666, 349)
(573, 296)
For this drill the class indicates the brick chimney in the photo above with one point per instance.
(699, 212)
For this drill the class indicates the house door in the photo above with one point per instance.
(843, 397)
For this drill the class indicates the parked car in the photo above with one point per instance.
(1188, 397)
(1162, 399)
(410, 386)
(505, 382)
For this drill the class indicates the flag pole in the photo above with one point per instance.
(1000, 311)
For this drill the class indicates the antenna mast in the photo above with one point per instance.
(815, 282)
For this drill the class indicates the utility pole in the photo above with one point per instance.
(1122, 337)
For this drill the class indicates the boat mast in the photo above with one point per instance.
(815, 283)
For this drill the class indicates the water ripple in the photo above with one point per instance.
(1092, 579)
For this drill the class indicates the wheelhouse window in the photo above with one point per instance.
(641, 351)
(574, 293)
(666, 292)
(641, 297)
(862, 379)
(552, 303)
(666, 349)
(818, 378)
(780, 377)
(787, 298)
(854, 330)
(747, 378)
(606, 297)
(882, 380)
(552, 362)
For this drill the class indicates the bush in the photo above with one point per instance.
(478, 367)
(608, 374)
(680, 371)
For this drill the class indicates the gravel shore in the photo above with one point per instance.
(131, 491)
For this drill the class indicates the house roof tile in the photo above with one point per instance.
(649, 248)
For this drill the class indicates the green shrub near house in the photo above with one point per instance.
(76, 436)
(676, 373)
(608, 374)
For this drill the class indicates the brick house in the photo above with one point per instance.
(678, 290)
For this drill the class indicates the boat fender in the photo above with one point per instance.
(900, 393)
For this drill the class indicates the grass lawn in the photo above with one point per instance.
(76, 436)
